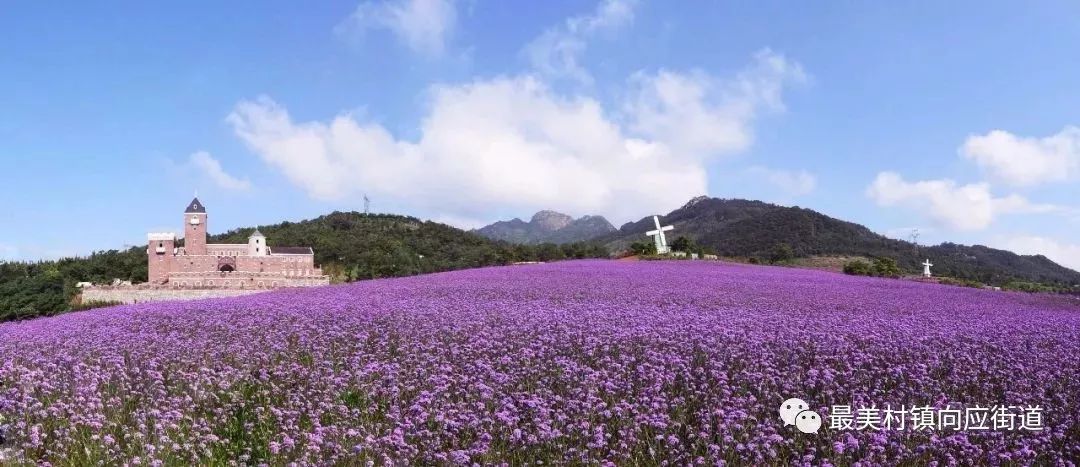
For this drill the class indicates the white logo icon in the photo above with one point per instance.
(808, 421)
(797, 412)
(790, 408)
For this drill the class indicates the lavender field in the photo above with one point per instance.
(589, 362)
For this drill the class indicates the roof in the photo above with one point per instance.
(291, 250)
(256, 233)
(195, 206)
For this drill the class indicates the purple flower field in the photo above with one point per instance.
(586, 362)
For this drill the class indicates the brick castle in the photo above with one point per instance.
(251, 266)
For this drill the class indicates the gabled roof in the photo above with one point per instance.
(195, 206)
(291, 250)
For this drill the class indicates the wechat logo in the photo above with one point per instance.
(797, 412)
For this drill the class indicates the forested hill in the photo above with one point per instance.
(348, 245)
(354, 246)
(743, 228)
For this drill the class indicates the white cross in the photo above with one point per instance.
(658, 236)
(926, 268)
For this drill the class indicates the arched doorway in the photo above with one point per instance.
(226, 264)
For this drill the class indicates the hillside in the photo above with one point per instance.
(348, 245)
(736, 227)
(547, 227)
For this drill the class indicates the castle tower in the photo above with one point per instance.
(160, 254)
(257, 244)
(195, 228)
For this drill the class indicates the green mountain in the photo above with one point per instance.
(743, 228)
(348, 245)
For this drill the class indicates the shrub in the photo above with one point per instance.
(94, 304)
(881, 267)
(1030, 287)
(642, 248)
(858, 268)
(886, 267)
(961, 282)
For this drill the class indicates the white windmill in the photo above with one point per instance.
(926, 268)
(658, 236)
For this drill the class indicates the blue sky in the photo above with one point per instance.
(959, 119)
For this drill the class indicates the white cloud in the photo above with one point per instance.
(696, 112)
(424, 25)
(463, 223)
(514, 142)
(1023, 161)
(557, 52)
(1065, 254)
(793, 183)
(966, 207)
(211, 168)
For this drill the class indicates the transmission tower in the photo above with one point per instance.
(915, 240)
(367, 205)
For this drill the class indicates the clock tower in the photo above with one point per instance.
(195, 228)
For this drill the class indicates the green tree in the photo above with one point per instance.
(886, 267)
(781, 253)
(643, 248)
(683, 244)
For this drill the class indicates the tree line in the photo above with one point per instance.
(349, 246)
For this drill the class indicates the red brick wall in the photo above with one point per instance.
(159, 265)
(195, 235)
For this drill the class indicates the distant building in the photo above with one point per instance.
(251, 265)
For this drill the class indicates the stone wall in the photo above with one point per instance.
(142, 295)
(243, 280)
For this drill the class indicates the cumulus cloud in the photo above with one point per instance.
(514, 142)
(793, 183)
(558, 51)
(1024, 161)
(959, 207)
(696, 112)
(425, 26)
(211, 168)
(1065, 254)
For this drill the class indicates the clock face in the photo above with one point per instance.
(194, 220)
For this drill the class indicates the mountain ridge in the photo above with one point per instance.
(747, 228)
(547, 226)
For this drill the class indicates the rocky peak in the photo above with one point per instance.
(551, 220)
(695, 200)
